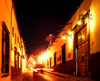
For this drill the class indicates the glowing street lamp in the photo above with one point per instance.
(70, 35)
(34, 62)
(50, 35)
(46, 55)
(41, 58)
(79, 21)
(63, 37)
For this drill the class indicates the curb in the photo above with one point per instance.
(56, 74)
(19, 78)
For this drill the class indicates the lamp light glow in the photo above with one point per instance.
(50, 35)
(79, 21)
(34, 62)
(41, 58)
(46, 55)
(63, 37)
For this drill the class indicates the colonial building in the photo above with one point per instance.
(12, 52)
(79, 52)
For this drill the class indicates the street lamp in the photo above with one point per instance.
(63, 37)
(79, 21)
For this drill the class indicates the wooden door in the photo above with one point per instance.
(81, 59)
(82, 52)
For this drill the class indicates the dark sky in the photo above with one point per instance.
(39, 18)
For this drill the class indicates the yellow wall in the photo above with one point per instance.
(83, 9)
(0, 48)
(6, 11)
(5, 15)
(16, 31)
(58, 46)
(95, 27)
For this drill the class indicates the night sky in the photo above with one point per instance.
(39, 18)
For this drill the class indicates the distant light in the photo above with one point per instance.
(46, 55)
(48, 69)
(41, 58)
(31, 68)
(34, 62)
(38, 68)
(50, 35)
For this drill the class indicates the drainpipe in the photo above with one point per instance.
(76, 59)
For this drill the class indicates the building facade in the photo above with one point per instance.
(79, 53)
(12, 52)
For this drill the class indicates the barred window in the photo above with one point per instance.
(5, 49)
(15, 38)
(15, 56)
(13, 31)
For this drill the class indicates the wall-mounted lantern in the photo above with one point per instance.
(63, 37)
(82, 17)
(79, 21)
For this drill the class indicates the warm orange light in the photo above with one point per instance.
(79, 22)
(63, 37)
(48, 69)
(34, 62)
(41, 58)
(46, 55)
(70, 41)
(31, 59)
(50, 35)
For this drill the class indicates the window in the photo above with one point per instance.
(82, 36)
(13, 31)
(15, 58)
(54, 59)
(15, 38)
(82, 58)
(5, 49)
(50, 62)
(60, 57)
(63, 54)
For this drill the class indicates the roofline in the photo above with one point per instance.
(13, 6)
(64, 25)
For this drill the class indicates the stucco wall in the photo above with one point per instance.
(95, 27)
(5, 16)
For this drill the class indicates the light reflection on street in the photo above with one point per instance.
(41, 77)
(47, 77)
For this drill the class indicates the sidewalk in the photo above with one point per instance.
(70, 77)
(20, 77)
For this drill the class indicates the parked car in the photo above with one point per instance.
(38, 69)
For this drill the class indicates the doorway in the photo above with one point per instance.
(82, 44)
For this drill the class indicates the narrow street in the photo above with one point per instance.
(41, 77)
(28, 76)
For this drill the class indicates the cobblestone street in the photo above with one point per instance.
(48, 76)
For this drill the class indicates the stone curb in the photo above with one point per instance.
(55, 74)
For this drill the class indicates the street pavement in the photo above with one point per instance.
(48, 76)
